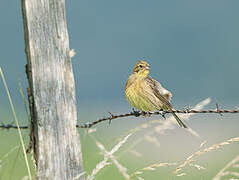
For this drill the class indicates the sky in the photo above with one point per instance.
(192, 47)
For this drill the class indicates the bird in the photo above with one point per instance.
(146, 94)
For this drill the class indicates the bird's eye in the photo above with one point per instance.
(140, 66)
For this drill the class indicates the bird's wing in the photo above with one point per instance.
(162, 94)
(167, 94)
(158, 92)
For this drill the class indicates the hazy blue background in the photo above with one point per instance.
(192, 46)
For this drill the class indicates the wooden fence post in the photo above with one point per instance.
(51, 93)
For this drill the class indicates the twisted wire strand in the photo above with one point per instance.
(136, 114)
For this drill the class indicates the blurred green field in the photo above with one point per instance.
(172, 146)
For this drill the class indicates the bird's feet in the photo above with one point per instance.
(162, 113)
(143, 113)
(146, 113)
(136, 113)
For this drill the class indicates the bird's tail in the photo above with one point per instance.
(180, 122)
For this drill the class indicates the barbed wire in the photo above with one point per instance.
(135, 114)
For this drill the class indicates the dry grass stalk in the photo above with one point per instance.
(16, 122)
(152, 139)
(140, 178)
(117, 146)
(222, 172)
(8, 153)
(182, 174)
(135, 153)
(236, 174)
(142, 126)
(203, 144)
(168, 123)
(235, 165)
(121, 168)
(151, 167)
(91, 130)
(109, 155)
(200, 152)
(98, 167)
(198, 167)
(78, 176)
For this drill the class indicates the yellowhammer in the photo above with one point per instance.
(146, 94)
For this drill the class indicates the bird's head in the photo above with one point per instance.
(142, 68)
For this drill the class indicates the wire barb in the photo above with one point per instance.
(217, 106)
(111, 117)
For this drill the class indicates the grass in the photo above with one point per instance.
(151, 149)
(17, 124)
(214, 147)
(149, 168)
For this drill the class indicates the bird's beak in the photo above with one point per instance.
(147, 67)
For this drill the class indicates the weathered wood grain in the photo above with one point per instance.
(54, 138)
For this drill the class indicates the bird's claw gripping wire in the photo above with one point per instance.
(146, 113)
(136, 113)
(162, 113)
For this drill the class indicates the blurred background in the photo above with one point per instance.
(193, 50)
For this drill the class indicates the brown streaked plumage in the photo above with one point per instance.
(146, 94)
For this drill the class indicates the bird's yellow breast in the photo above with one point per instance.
(137, 95)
